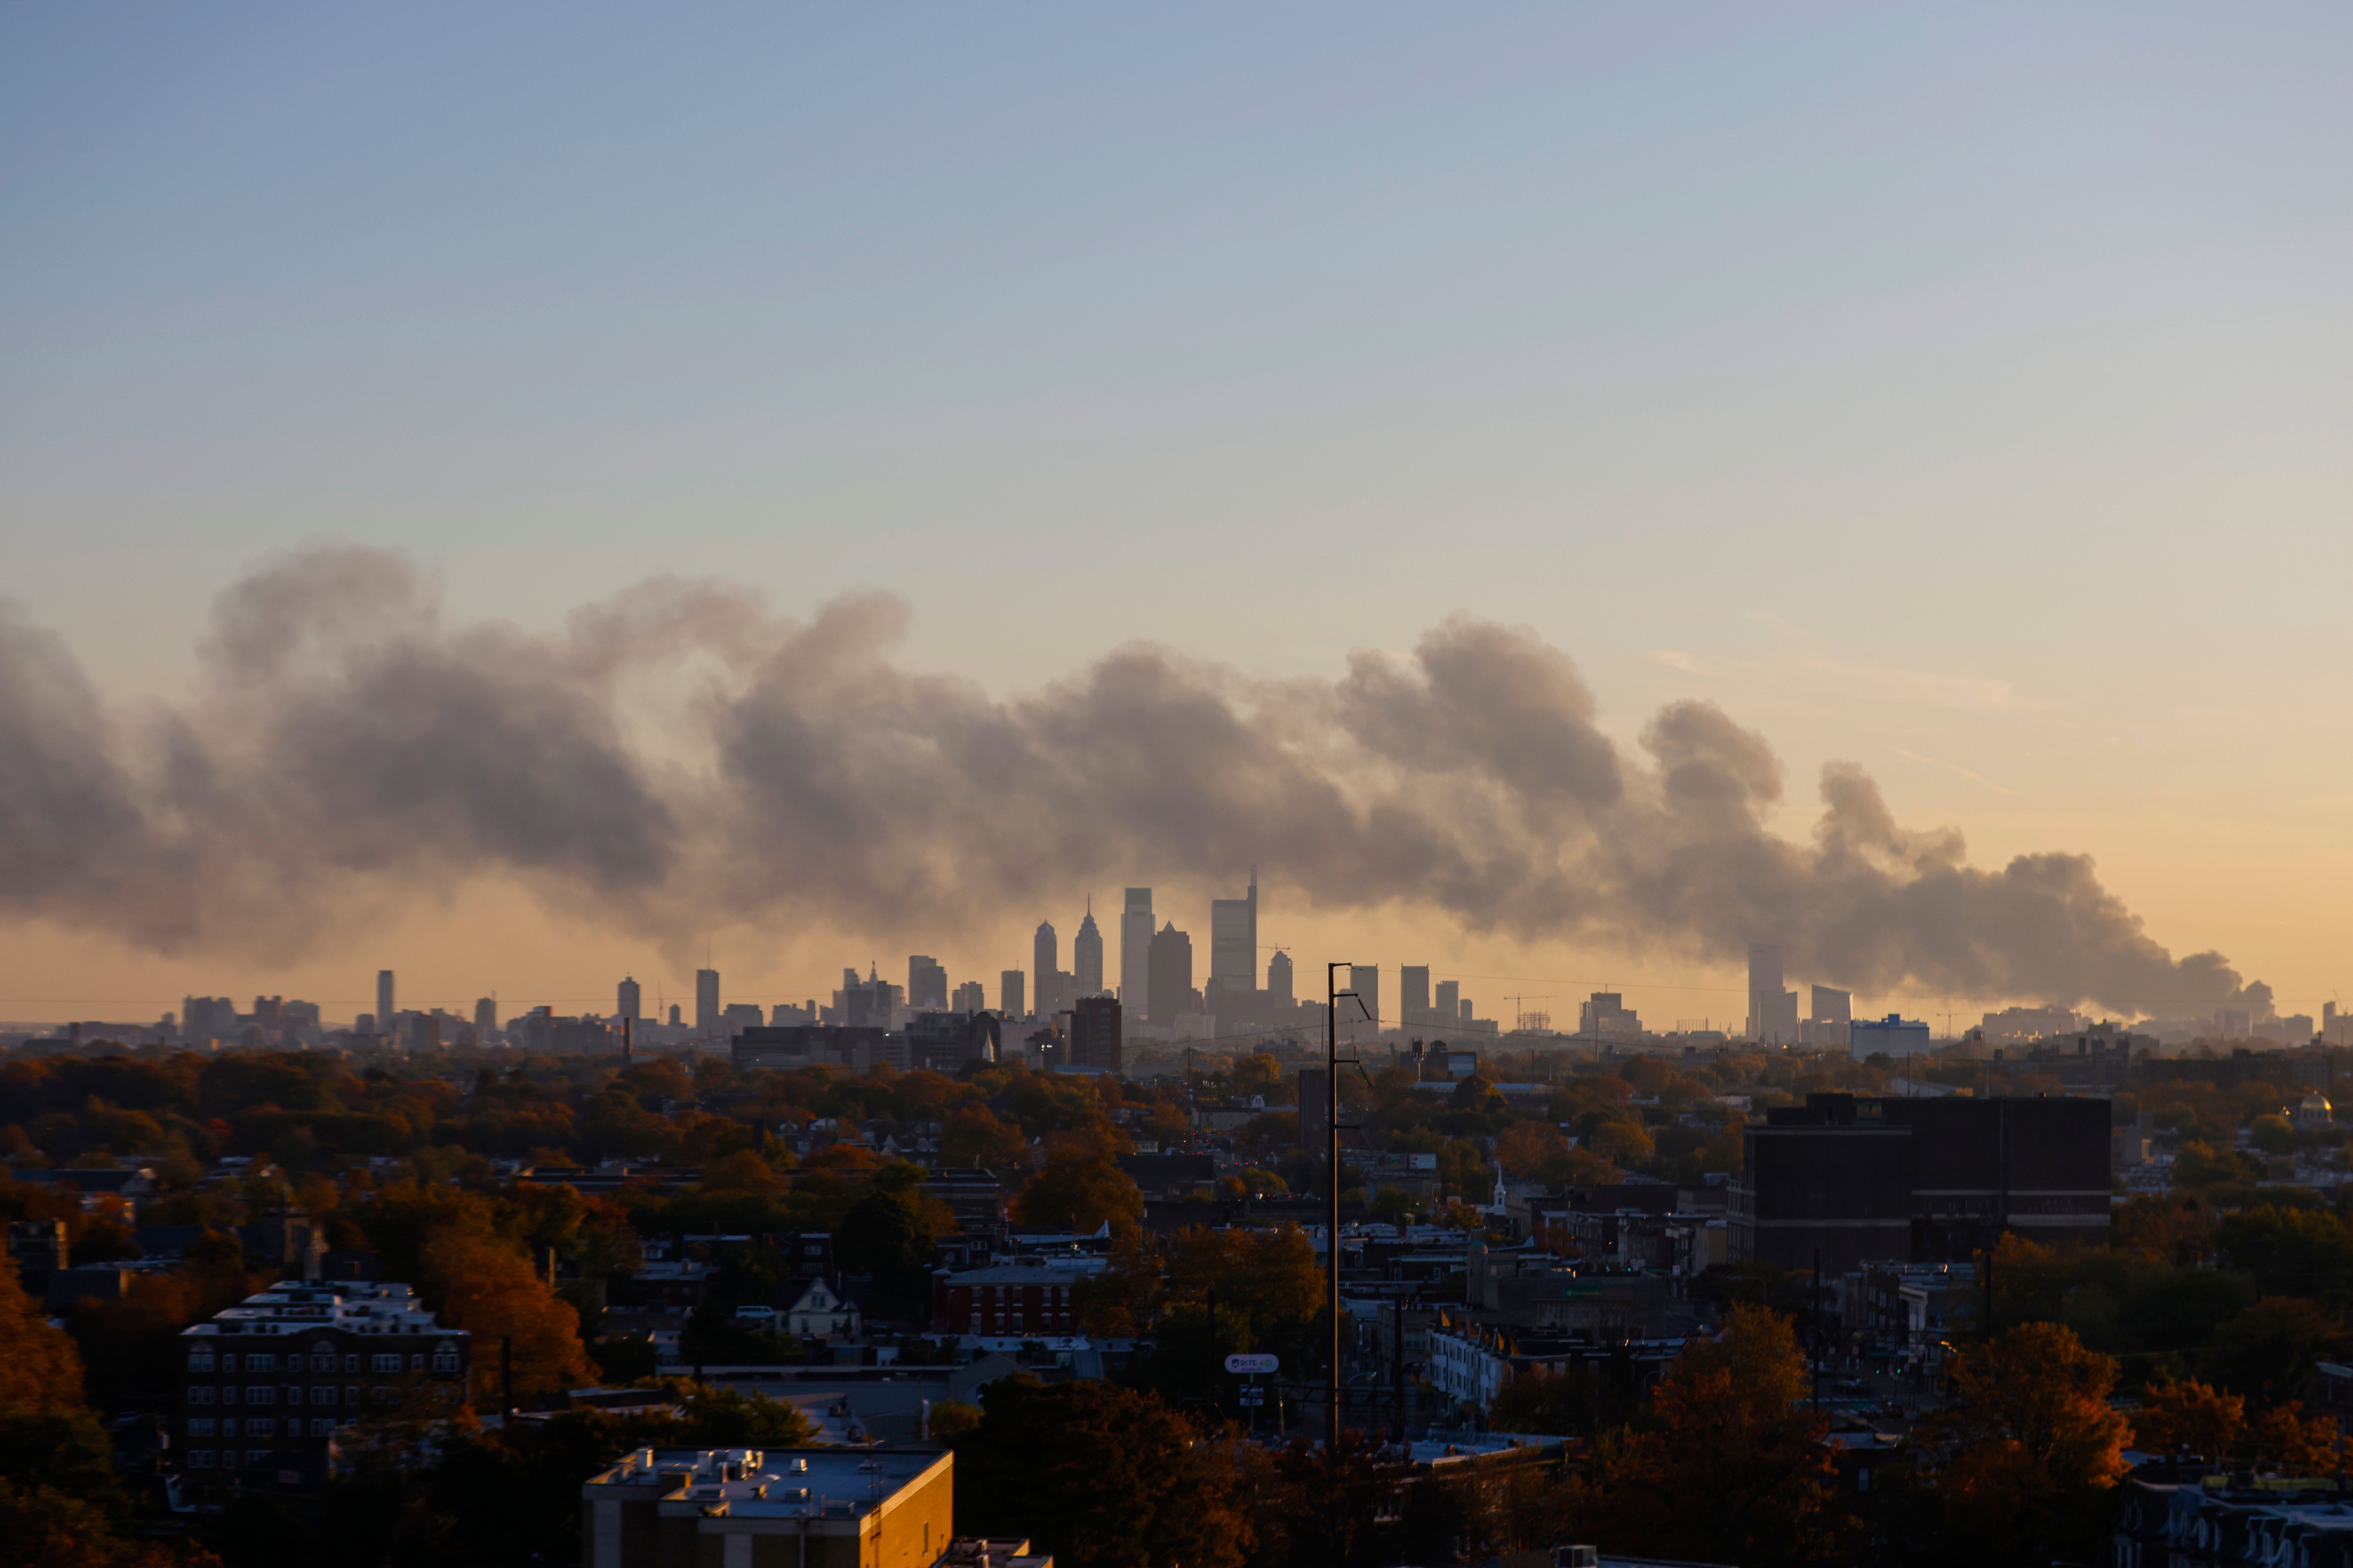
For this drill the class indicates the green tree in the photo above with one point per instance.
(2291, 1252)
(2270, 1352)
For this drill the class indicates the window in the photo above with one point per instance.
(323, 1394)
(228, 1362)
(200, 1361)
(323, 1361)
(200, 1393)
(229, 1426)
(200, 1459)
(263, 1428)
(229, 1393)
(200, 1425)
(417, 1361)
(445, 1358)
(255, 1362)
(257, 1456)
(322, 1425)
(351, 1363)
(386, 1363)
(350, 1394)
(261, 1394)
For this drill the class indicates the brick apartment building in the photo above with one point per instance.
(1010, 1299)
(266, 1384)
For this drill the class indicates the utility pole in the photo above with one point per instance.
(1332, 996)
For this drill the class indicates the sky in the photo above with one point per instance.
(1962, 394)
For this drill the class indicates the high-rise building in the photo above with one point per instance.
(1364, 980)
(971, 996)
(486, 1018)
(1094, 1033)
(927, 984)
(1171, 983)
(1607, 1017)
(1772, 1011)
(1009, 999)
(1233, 941)
(384, 1008)
(706, 1003)
(629, 998)
(1086, 956)
(1279, 987)
(1449, 1006)
(1831, 1018)
(1045, 954)
(1413, 995)
(1135, 954)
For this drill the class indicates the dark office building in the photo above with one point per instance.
(786, 1046)
(1923, 1181)
(946, 1042)
(1094, 1033)
(1172, 974)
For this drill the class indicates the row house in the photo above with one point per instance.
(1008, 1298)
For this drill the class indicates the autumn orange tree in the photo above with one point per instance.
(2023, 1460)
(1078, 1191)
(481, 1282)
(1724, 1427)
(2189, 1419)
(59, 1500)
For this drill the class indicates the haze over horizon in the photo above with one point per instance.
(455, 464)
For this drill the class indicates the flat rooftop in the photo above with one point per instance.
(776, 1483)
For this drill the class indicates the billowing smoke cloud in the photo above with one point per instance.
(350, 747)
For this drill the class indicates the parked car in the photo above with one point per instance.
(760, 1315)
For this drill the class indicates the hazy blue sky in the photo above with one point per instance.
(1967, 392)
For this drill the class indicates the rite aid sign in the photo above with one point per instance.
(1247, 1364)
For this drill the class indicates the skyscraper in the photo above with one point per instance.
(1009, 998)
(706, 1002)
(970, 998)
(486, 1019)
(1135, 954)
(1094, 1033)
(1413, 995)
(1772, 1011)
(1449, 1004)
(385, 1020)
(928, 982)
(1171, 985)
(1233, 941)
(1277, 981)
(629, 1000)
(1364, 980)
(1086, 956)
(1046, 966)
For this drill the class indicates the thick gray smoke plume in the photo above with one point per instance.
(350, 747)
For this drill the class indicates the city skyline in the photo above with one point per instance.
(1906, 451)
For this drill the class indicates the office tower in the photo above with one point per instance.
(1279, 981)
(1135, 954)
(384, 1011)
(1171, 984)
(1233, 941)
(1607, 1016)
(706, 1002)
(486, 1018)
(1449, 1006)
(1086, 956)
(927, 984)
(1364, 980)
(629, 994)
(674, 1022)
(1833, 1006)
(1009, 1000)
(1463, 1018)
(872, 1003)
(970, 998)
(1413, 995)
(1094, 1033)
(1772, 1011)
(1045, 957)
